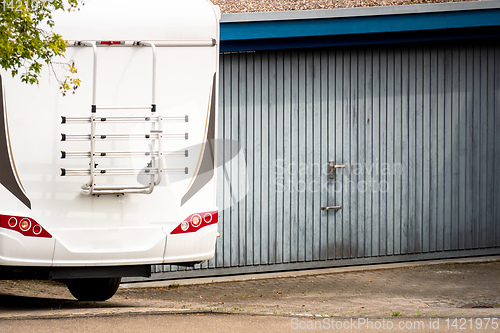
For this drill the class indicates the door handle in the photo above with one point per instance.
(332, 168)
(331, 208)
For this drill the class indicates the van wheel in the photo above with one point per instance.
(93, 289)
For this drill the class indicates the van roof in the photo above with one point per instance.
(134, 20)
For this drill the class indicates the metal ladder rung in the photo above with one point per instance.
(121, 172)
(102, 137)
(75, 137)
(123, 107)
(131, 119)
(122, 154)
(115, 190)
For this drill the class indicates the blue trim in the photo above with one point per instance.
(358, 40)
(258, 35)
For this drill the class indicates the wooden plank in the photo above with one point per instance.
(471, 116)
(226, 234)
(271, 159)
(360, 162)
(419, 148)
(475, 179)
(235, 181)
(352, 142)
(294, 170)
(331, 150)
(405, 152)
(449, 150)
(346, 148)
(310, 223)
(389, 187)
(375, 165)
(242, 238)
(302, 162)
(427, 159)
(287, 157)
(368, 166)
(217, 261)
(463, 144)
(485, 161)
(324, 153)
(314, 186)
(257, 173)
(497, 143)
(250, 153)
(398, 139)
(264, 168)
(412, 174)
(492, 189)
(440, 148)
(456, 166)
(338, 152)
(279, 157)
(382, 167)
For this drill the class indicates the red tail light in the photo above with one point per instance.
(12, 222)
(37, 230)
(194, 222)
(25, 225)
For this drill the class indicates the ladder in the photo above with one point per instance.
(154, 169)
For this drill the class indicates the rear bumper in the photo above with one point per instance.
(126, 247)
(109, 246)
(190, 247)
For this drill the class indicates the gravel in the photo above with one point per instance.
(242, 6)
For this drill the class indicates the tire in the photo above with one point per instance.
(96, 290)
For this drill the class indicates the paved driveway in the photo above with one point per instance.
(400, 293)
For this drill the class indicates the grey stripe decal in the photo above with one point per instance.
(206, 171)
(8, 177)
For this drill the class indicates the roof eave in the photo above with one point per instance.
(254, 31)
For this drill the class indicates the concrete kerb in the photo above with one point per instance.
(311, 272)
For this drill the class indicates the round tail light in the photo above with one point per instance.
(12, 222)
(25, 224)
(184, 226)
(37, 229)
(196, 220)
(208, 217)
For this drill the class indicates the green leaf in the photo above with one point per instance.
(24, 46)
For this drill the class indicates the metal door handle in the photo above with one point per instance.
(332, 168)
(332, 208)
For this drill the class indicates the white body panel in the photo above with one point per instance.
(123, 229)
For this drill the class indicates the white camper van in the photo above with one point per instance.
(103, 183)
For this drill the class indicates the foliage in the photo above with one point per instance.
(27, 42)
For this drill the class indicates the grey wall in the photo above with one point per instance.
(418, 128)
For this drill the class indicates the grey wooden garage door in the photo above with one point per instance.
(417, 128)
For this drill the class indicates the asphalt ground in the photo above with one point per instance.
(465, 290)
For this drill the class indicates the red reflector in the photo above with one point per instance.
(110, 42)
(37, 230)
(12, 222)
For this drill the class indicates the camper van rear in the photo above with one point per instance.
(118, 176)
